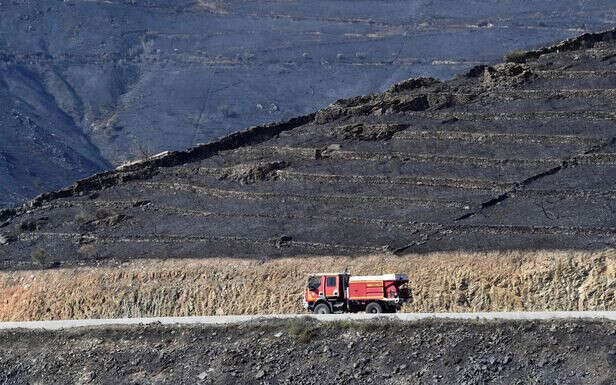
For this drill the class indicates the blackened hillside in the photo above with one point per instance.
(520, 155)
(87, 85)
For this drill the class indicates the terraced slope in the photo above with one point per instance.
(519, 155)
(86, 85)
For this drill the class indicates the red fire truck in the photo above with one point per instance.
(341, 292)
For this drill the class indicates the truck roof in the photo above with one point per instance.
(382, 277)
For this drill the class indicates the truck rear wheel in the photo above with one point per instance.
(322, 308)
(374, 307)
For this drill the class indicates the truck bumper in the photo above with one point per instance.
(398, 302)
(394, 300)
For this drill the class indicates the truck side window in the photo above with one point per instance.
(331, 281)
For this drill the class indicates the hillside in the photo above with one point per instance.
(87, 85)
(304, 352)
(513, 156)
(508, 168)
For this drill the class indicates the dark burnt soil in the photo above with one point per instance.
(305, 352)
(86, 85)
(519, 155)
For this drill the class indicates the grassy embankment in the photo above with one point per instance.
(494, 281)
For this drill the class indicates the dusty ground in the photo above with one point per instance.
(441, 282)
(305, 352)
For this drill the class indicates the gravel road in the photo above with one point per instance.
(231, 319)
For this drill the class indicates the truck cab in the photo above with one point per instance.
(327, 293)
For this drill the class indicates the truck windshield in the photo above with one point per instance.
(314, 283)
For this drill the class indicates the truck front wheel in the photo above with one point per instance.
(374, 307)
(322, 308)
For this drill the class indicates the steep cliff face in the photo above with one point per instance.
(90, 84)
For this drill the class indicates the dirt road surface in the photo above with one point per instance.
(233, 319)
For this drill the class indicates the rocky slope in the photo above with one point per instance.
(85, 85)
(519, 155)
(305, 352)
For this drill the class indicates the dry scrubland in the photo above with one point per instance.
(493, 281)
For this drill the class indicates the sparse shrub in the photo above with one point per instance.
(39, 257)
(303, 329)
(89, 250)
(33, 224)
(82, 217)
(368, 326)
(515, 57)
(28, 225)
(342, 325)
(102, 213)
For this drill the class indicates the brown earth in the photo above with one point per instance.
(491, 281)
(306, 352)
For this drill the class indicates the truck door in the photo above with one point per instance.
(332, 286)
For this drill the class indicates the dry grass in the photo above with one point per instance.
(496, 281)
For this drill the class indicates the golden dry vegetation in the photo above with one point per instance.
(492, 281)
